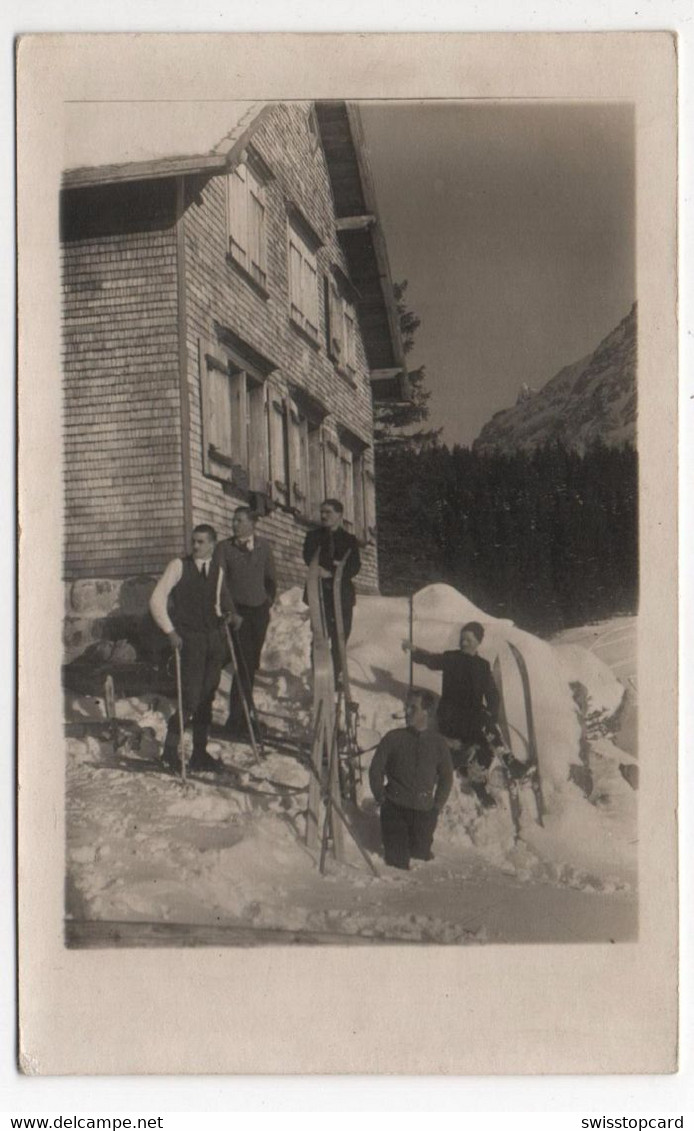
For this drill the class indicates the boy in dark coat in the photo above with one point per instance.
(468, 695)
(411, 775)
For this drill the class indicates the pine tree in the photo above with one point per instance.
(394, 423)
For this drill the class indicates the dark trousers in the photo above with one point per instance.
(202, 658)
(331, 624)
(406, 833)
(248, 643)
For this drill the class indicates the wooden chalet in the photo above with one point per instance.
(228, 321)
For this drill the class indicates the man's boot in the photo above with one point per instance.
(483, 795)
(201, 762)
(171, 756)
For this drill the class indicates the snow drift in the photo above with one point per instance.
(141, 848)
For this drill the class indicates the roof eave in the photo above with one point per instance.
(179, 165)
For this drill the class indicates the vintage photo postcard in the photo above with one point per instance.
(348, 626)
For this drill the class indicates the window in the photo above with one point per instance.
(236, 429)
(341, 329)
(303, 284)
(277, 442)
(258, 438)
(246, 222)
(355, 486)
(306, 447)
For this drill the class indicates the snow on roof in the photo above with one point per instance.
(114, 135)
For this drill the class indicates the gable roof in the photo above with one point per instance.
(115, 142)
(106, 142)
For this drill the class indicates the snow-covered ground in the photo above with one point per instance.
(228, 853)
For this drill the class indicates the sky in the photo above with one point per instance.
(514, 226)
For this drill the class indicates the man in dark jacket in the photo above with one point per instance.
(334, 543)
(249, 569)
(468, 694)
(190, 604)
(411, 775)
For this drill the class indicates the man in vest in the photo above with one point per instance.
(249, 571)
(190, 603)
(333, 543)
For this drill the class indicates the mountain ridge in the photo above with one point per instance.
(588, 400)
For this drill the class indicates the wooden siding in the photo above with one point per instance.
(218, 293)
(122, 445)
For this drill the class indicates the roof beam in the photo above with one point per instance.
(354, 223)
(385, 374)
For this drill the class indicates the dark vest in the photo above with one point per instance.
(193, 599)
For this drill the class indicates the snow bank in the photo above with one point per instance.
(141, 846)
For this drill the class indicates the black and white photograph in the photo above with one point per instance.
(351, 489)
(350, 463)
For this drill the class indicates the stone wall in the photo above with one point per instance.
(98, 609)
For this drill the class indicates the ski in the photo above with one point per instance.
(532, 772)
(323, 709)
(498, 735)
(348, 740)
(499, 739)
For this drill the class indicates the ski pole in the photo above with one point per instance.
(411, 603)
(244, 704)
(327, 822)
(179, 696)
(249, 703)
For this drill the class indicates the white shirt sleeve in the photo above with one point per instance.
(218, 600)
(158, 602)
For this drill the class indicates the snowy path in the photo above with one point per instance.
(144, 850)
(223, 862)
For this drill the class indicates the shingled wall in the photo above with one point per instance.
(217, 292)
(124, 493)
(123, 485)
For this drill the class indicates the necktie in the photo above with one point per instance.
(205, 568)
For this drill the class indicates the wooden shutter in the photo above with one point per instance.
(334, 310)
(256, 228)
(316, 483)
(350, 350)
(239, 418)
(297, 493)
(310, 296)
(204, 404)
(358, 491)
(258, 463)
(347, 486)
(295, 273)
(370, 504)
(330, 461)
(278, 448)
(238, 215)
(215, 413)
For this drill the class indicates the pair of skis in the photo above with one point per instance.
(516, 772)
(335, 724)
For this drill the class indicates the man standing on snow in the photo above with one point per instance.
(334, 543)
(200, 603)
(249, 570)
(411, 775)
(468, 696)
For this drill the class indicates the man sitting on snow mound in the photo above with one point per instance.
(469, 698)
(415, 764)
